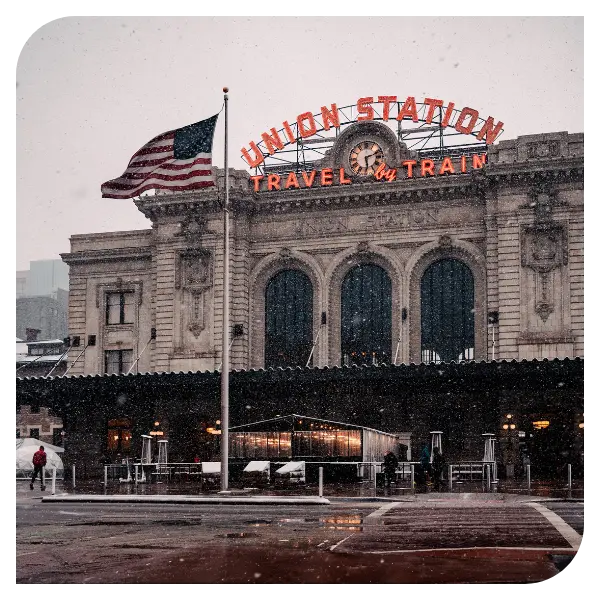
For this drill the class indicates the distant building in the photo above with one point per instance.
(42, 299)
(39, 358)
(40, 424)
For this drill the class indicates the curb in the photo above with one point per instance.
(188, 499)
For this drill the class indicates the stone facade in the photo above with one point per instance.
(517, 224)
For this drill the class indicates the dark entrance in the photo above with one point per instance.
(366, 316)
(447, 312)
(288, 319)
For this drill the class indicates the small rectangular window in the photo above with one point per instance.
(18, 433)
(57, 438)
(119, 308)
(117, 361)
(34, 433)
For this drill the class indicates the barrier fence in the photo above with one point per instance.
(323, 472)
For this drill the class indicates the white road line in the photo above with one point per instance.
(563, 528)
(381, 511)
(340, 542)
(323, 542)
(497, 548)
(25, 554)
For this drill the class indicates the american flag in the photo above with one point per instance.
(176, 160)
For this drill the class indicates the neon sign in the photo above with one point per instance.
(409, 169)
(307, 124)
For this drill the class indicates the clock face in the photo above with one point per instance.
(365, 157)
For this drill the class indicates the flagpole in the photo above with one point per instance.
(225, 344)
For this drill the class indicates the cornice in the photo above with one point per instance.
(205, 202)
(108, 254)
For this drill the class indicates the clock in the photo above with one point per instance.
(365, 158)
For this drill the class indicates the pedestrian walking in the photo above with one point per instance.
(437, 468)
(39, 462)
(424, 469)
(390, 464)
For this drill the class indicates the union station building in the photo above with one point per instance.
(390, 300)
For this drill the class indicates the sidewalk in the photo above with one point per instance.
(307, 495)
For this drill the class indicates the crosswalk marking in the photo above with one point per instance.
(563, 528)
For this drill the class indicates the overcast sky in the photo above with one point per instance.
(92, 90)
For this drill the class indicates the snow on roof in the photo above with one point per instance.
(257, 466)
(291, 467)
(211, 467)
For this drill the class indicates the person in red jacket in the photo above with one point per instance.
(39, 462)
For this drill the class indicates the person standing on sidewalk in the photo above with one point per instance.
(39, 462)
(437, 468)
(390, 464)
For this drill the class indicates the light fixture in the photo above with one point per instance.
(512, 426)
(509, 416)
(505, 426)
(540, 424)
(218, 422)
(156, 423)
(580, 425)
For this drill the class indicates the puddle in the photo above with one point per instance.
(258, 522)
(345, 523)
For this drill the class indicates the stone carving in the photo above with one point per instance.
(196, 323)
(285, 253)
(194, 270)
(192, 228)
(543, 249)
(445, 242)
(362, 247)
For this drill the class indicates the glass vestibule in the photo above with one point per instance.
(297, 444)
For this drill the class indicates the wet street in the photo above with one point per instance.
(430, 538)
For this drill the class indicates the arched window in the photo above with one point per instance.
(447, 312)
(366, 316)
(288, 319)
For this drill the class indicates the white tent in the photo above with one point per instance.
(26, 447)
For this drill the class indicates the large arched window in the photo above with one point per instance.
(288, 319)
(366, 316)
(447, 312)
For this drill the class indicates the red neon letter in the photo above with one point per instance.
(273, 182)
(312, 126)
(409, 164)
(273, 141)
(447, 166)
(330, 117)
(326, 176)
(409, 109)
(288, 131)
(465, 113)
(343, 178)
(253, 162)
(489, 131)
(448, 114)
(478, 161)
(387, 100)
(463, 164)
(426, 167)
(291, 181)
(433, 103)
(364, 107)
(257, 179)
(308, 180)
